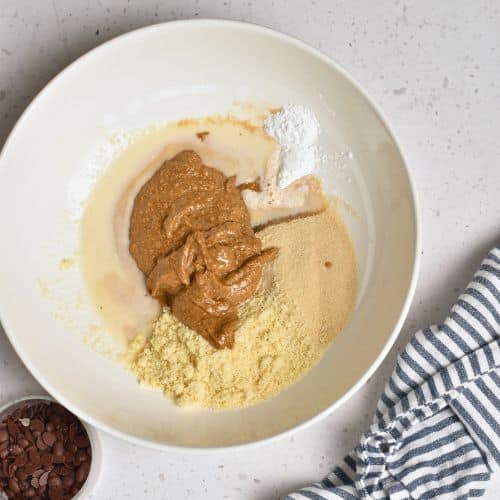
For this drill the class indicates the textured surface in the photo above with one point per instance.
(434, 67)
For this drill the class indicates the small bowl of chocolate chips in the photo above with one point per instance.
(46, 452)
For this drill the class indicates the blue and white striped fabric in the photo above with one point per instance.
(436, 431)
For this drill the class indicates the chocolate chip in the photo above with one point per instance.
(48, 438)
(82, 472)
(37, 425)
(21, 459)
(5, 468)
(44, 478)
(23, 443)
(14, 486)
(12, 428)
(81, 456)
(38, 473)
(56, 493)
(30, 468)
(55, 481)
(46, 459)
(55, 420)
(11, 470)
(58, 448)
(34, 456)
(62, 470)
(68, 480)
(24, 485)
(82, 442)
(72, 432)
(22, 474)
(29, 436)
(40, 444)
(69, 458)
(15, 449)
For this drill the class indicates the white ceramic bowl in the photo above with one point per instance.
(159, 74)
(95, 444)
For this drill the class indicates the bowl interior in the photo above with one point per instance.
(157, 75)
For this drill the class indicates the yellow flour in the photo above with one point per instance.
(269, 354)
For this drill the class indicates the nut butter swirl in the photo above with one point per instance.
(190, 235)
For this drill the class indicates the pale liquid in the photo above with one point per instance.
(114, 282)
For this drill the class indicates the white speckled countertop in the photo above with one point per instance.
(433, 66)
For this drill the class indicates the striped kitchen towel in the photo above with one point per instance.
(436, 431)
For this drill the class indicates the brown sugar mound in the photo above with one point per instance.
(316, 270)
(190, 235)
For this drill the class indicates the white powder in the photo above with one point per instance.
(296, 129)
(86, 175)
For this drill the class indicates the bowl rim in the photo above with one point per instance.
(250, 27)
(95, 443)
